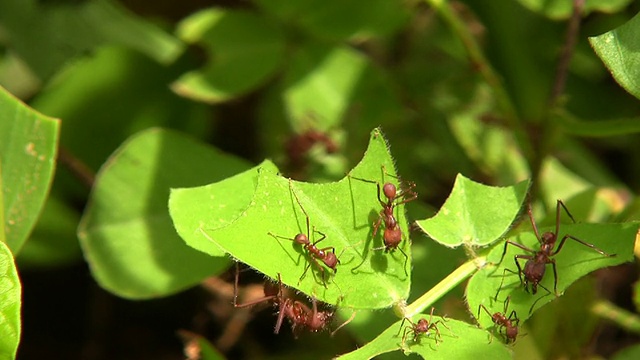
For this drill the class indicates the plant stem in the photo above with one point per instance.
(443, 287)
(623, 318)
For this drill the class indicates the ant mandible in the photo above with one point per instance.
(535, 266)
(327, 255)
(392, 235)
(508, 324)
(423, 326)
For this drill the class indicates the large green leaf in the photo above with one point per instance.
(63, 30)
(343, 210)
(460, 341)
(245, 50)
(619, 50)
(573, 262)
(126, 232)
(10, 293)
(28, 142)
(475, 214)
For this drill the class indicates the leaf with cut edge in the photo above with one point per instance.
(344, 211)
(245, 49)
(10, 295)
(573, 262)
(475, 214)
(126, 233)
(460, 341)
(28, 142)
(619, 50)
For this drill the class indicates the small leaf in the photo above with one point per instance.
(475, 214)
(28, 142)
(562, 9)
(343, 210)
(10, 293)
(126, 232)
(573, 262)
(460, 341)
(245, 49)
(618, 49)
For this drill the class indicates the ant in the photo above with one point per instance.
(508, 324)
(299, 314)
(535, 266)
(392, 235)
(423, 326)
(327, 255)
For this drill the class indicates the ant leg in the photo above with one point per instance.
(560, 203)
(406, 259)
(524, 257)
(555, 277)
(485, 309)
(564, 238)
(506, 304)
(495, 298)
(509, 242)
(533, 223)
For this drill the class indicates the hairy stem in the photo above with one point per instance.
(447, 284)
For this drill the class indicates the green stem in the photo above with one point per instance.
(480, 62)
(443, 287)
(623, 318)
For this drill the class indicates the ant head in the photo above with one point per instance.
(548, 238)
(389, 191)
(301, 239)
(422, 325)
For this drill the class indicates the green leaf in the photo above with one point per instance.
(340, 20)
(573, 262)
(475, 214)
(28, 142)
(10, 293)
(343, 210)
(562, 9)
(597, 128)
(321, 83)
(460, 341)
(126, 232)
(618, 50)
(66, 30)
(246, 49)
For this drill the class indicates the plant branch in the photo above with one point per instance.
(623, 318)
(454, 279)
(77, 167)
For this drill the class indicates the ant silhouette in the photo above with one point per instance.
(535, 266)
(327, 255)
(392, 235)
(422, 327)
(507, 326)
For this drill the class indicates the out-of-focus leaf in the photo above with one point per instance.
(619, 50)
(459, 341)
(53, 240)
(344, 211)
(28, 142)
(475, 214)
(47, 34)
(562, 9)
(340, 20)
(126, 232)
(10, 303)
(597, 128)
(244, 51)
(629, 353)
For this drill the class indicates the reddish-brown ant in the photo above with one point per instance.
(423, 326)
(392, 235)
(508, 324)
(535, 266)
(327, 255)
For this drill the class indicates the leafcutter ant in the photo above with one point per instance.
(327, 255)
(507, 326)
(392, 235)
(422, 327)
(535, 266)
